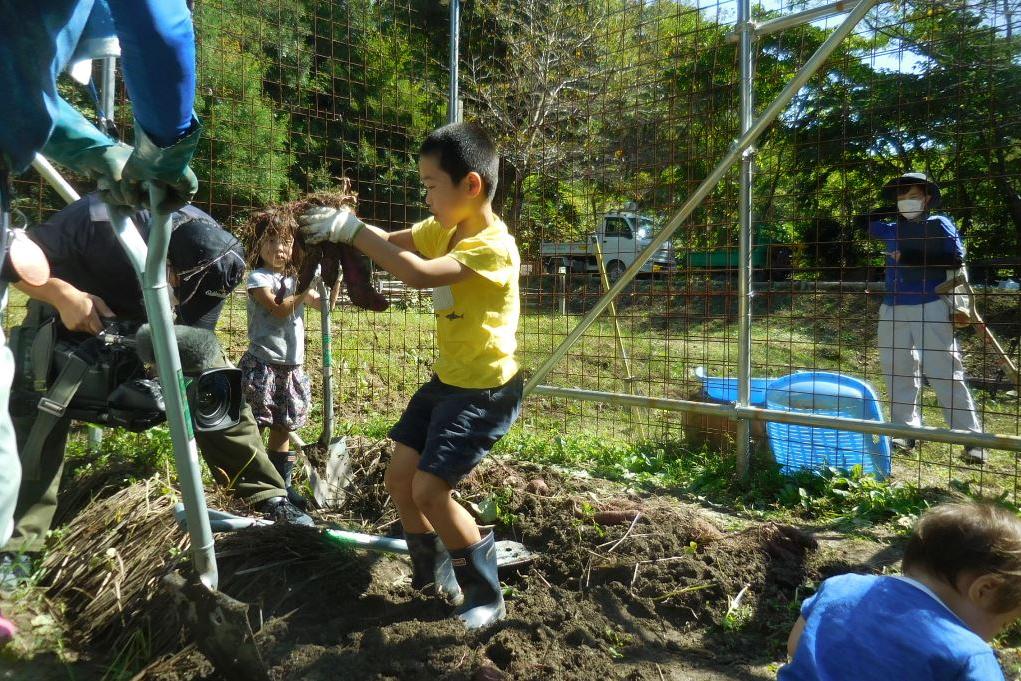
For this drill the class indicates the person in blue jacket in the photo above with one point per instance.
(39, 40)
(916, 330)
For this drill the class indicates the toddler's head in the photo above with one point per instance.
(970, 554)
(272, 232)
(273, 236)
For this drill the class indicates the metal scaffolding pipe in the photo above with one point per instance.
(805, 17)
(453, 108)
(108, 91)
(746, 55)
(149, 261)
(54, 178)
(963, 437)
(707, 185)
(792, 20)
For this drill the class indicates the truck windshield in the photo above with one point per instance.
(647, 228)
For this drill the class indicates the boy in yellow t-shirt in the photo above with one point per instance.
(465, 254)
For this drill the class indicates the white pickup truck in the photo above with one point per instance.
(622, 235)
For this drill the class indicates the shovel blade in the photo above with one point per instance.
(220, 627)
(512, 554)
(331, 490)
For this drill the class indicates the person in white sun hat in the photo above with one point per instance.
(916, 329)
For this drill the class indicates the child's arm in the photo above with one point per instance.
(390, 253)
(282, 310)
(795, 636)
(401, 239)
(393, 252)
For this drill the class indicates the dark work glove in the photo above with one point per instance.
(166, 167)
(78, 144)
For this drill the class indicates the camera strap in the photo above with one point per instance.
(52, 407)
(41, 353)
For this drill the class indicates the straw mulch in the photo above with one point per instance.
(107, 566)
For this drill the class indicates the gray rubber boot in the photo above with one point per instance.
(430, 567)
(284, 463)
(475, 568)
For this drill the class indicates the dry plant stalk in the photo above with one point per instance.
(282, 221)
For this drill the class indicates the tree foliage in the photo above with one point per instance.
(599, 102)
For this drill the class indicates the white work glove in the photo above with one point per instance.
(338, 225)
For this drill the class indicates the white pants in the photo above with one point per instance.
(917, 339)
(10, 464)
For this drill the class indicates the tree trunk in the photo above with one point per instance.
(507, 177)
(998, 163)
(517, 199)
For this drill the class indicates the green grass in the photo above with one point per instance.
(380, 359)
(847, 499)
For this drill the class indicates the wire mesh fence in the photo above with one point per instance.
(610, 113)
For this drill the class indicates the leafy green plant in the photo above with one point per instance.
(496, 507)
(843, 496)
(855, 497)
(738, 612)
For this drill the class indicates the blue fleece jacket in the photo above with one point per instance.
(928, 248)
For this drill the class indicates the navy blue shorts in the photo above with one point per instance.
(453, 428)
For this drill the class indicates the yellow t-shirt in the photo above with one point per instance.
(476, 319)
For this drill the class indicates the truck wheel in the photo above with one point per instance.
(615, 270)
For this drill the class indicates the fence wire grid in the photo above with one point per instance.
(609, 114)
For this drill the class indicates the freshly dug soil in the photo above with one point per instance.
(656, 590)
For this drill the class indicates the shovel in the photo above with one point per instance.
(327, 490)
(338, 462)
(220, 627)
(508, 553)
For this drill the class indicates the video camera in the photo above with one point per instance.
(115, 388)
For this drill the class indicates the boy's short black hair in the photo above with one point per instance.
(951, 540)
(462, 148)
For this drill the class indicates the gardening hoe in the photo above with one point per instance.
(508, 553)
(959, 279)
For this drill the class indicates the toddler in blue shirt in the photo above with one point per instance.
(961, 586)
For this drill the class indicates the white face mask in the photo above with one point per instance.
(910, 208)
